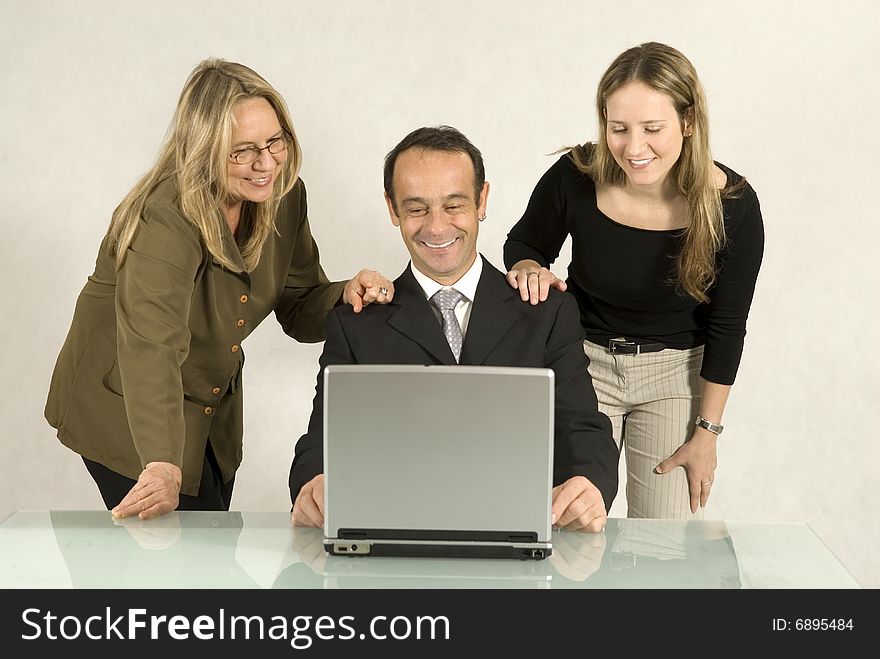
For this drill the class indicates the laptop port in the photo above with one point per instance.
(351, 548)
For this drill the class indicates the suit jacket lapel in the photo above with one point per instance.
(494, 311)
(230, 247)
(414, 318)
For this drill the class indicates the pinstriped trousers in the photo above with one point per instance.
(652, 400)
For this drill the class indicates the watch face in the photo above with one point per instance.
(708, 425)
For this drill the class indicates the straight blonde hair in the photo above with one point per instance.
(668, 71)
(196, 154)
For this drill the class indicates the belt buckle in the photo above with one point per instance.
(621, 342)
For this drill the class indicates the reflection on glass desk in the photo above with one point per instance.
(88, 549)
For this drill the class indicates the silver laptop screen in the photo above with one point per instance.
(438, 448)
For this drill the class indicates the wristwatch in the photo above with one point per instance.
(708, 425)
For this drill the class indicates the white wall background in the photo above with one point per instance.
(87, 90)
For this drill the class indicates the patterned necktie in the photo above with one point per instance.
(445, 300)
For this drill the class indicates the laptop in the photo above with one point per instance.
(438, 461)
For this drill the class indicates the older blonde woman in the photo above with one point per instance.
(147, 387)
(666, 248)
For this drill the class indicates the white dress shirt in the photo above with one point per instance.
(466, 285)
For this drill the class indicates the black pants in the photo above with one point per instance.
(214, 494)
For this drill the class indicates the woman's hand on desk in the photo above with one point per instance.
(155, 493)
(308, 509)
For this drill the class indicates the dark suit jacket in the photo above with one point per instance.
(502, 331)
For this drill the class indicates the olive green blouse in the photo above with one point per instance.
(151, 367)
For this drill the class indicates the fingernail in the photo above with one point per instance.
(553, 518)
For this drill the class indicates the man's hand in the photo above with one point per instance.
(156, 492)
(367, 287)
(308, 509)
(578, 506)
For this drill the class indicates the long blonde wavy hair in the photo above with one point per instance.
(196, 153)
(668, 71)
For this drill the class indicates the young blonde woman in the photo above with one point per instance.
(666, 248)
(147, 387)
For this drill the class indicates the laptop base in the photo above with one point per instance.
(405, 548)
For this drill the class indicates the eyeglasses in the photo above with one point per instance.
(250, 154)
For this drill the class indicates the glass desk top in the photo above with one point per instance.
(88, 549)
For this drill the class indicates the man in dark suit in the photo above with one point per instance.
(436, 193)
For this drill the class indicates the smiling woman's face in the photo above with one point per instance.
(644, 133)
(254, 124)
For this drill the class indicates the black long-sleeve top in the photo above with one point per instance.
(624, 277)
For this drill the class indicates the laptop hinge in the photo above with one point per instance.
(439, 535)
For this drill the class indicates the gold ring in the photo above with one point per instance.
(533, 273)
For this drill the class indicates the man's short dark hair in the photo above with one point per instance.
(435, 138)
